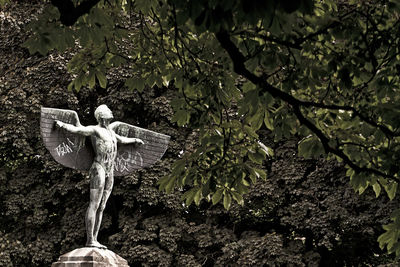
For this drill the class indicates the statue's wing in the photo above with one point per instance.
(135, 156)
(71, 150)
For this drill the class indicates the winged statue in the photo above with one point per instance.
(105, 150)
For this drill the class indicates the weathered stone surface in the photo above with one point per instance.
(66, 139)
(75, 150)
(90, 257)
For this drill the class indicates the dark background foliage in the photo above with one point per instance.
(305, 214)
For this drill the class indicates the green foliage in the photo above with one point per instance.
(310, 147)
(304, 214)
(325, 71)
(390, 239)
(3, 2)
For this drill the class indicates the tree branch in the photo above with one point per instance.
(238, 65)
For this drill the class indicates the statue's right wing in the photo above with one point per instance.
(71, 150)
(133, 156)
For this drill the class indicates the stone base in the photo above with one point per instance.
(90, 257)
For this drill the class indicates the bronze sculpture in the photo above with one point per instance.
(113, 149)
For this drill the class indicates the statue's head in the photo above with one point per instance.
(103, 112)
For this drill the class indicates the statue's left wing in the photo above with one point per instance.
(135, 156)
(71, 150)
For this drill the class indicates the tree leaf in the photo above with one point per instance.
(391, 189)
(377, 189)
(310, 147)
(189, 196)
(181, 117)
(238, 197)
(135, 83)
(101, 77)
(198, 196)
(91, 78)
(170, 185)
(227, 200)
(217, 196)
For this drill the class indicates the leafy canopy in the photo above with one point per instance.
(325, 71)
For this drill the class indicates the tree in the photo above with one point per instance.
(323, 71)
(304, 213)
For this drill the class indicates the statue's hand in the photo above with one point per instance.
(59, 124)
(139, 141)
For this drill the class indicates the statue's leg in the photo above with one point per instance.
(97, 180)
(106, 194)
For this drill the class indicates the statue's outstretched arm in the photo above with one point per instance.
(128, 140)
(83, 130)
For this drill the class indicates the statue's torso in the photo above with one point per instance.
(105, 146)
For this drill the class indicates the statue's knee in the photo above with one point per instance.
(94, 206)
(102, 206)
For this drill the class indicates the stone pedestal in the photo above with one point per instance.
(90, 257)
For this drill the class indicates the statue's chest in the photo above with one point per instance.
(106, 140)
